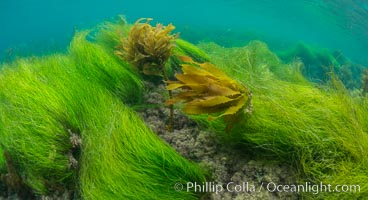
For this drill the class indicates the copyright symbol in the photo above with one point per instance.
(178, 187)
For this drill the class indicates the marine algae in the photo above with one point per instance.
(85, 92)
(207, 90)
(365, 82)
(147, 48)
(320, 130)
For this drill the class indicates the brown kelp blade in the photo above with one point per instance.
(206, 89)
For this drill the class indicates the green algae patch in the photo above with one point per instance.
(109, 33)
(33, 134)
(98, 66)
(129, 161)
(319, 130)
(2, 161)
(185, 48)
(188, 49)
(67, 128)
(67, 124)
(318, 62)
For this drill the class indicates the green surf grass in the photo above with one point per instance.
(31, 111)
(97, 65)
(320, 130)
(85, 92)
(2, 161)
(318, 62)
(123, 165)
(109, 33)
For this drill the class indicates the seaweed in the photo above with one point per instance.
(147, 48)
(207, 90)
(320, 130)
(109, 33)
(66, 124)
(185, 48)
(318, 62)
(97, 64)
(32, 132)
(365, 82)
(67, 127)
(13, 180)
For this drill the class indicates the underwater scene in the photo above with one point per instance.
(206, 100)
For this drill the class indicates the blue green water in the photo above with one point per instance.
(40, 26)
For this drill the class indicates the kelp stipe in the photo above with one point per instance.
(148, 49)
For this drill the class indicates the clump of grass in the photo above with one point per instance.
(319, 62)
(2, 161)
(109, 33)
(96, 64)
(129, 161)
(185, 48)
(321, 131)
(49, 103)
(33, 133)
(365, 82)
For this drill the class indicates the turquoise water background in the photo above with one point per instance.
(40, 26)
